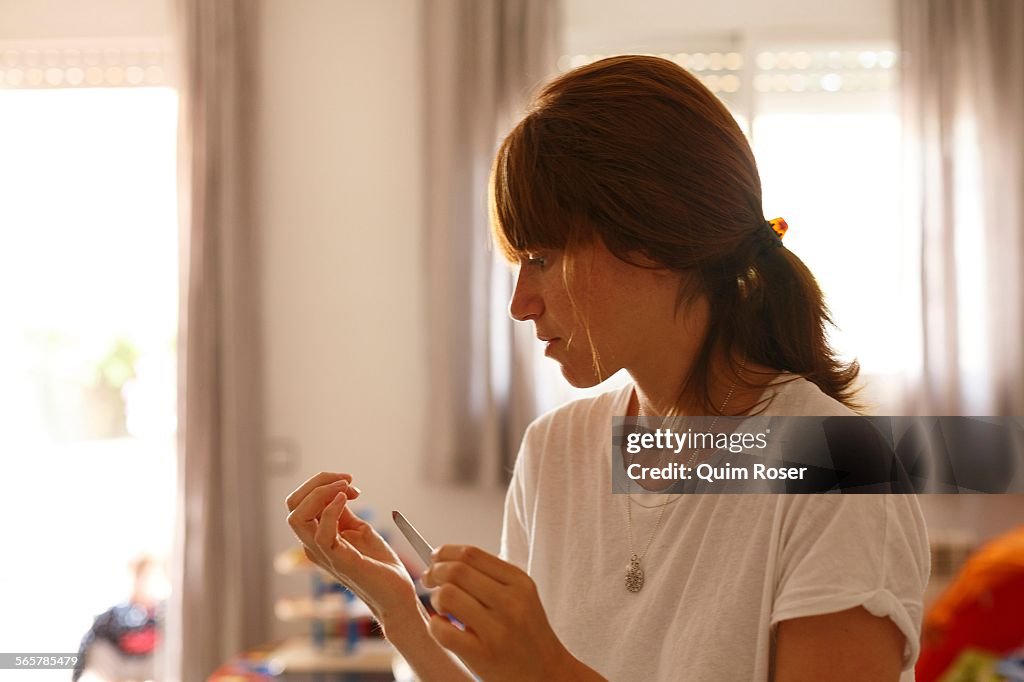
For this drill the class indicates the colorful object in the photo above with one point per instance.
(981, 609)
(779, 227)
(768, 236)
(132, 629)
(973, 666)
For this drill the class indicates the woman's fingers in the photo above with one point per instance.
(463, 643)
(303, 519)
(510, 638)
(485, 589)
(452, 600)
(319, 480)
(349, 520)
(326, 535)
(485, 562)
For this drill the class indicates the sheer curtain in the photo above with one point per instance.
(963, 108)
(219, 603)
(482, 60)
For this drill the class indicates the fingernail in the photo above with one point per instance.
(356, 488)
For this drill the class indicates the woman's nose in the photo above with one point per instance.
(526, 303)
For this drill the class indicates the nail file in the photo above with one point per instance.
(421, 546)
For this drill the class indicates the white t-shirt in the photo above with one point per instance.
(722, 570)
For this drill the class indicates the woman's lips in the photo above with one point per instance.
(550, 344)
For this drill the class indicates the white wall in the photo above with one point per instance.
(340, 205)
(56, 19)
(670, 24)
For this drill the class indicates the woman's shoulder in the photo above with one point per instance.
(793, 395)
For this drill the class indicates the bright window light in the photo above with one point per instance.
(89, 293)
(835, 178)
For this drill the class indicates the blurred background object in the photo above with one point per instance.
(976, 622)
(121, 644)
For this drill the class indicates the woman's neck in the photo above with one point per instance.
(739, 390)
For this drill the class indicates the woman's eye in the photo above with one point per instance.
(536, 260)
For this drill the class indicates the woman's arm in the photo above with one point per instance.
(411, 636)
(846, 646)
(357, 556)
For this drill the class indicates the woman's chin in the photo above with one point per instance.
(587, 379)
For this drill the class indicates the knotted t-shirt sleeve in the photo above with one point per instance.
(837, 552)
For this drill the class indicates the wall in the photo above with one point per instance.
(54, 19)
(341, 198)
(666, 24)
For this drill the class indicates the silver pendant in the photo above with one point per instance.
(634, 575)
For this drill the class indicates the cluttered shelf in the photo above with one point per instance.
(296, 659)
(343, 643)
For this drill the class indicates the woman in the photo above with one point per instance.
(630, 201)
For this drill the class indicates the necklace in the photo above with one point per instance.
(634, 571)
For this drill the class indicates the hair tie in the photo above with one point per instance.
(778, 227)
(771, 232)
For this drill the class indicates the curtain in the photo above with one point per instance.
(963, 108)
(218, 605)
(482, 61)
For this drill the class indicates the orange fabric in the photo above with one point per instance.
(980, 609)
(998, 562)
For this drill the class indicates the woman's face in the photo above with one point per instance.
(626, 313)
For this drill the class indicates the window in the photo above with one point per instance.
(826, 134)
(89, 293)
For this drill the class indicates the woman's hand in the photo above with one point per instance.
(348, 548)
(507, 635)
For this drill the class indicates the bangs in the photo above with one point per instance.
(525, 213)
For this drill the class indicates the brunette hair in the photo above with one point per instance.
(635, 151)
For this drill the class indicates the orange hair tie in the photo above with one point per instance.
(779, 227)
